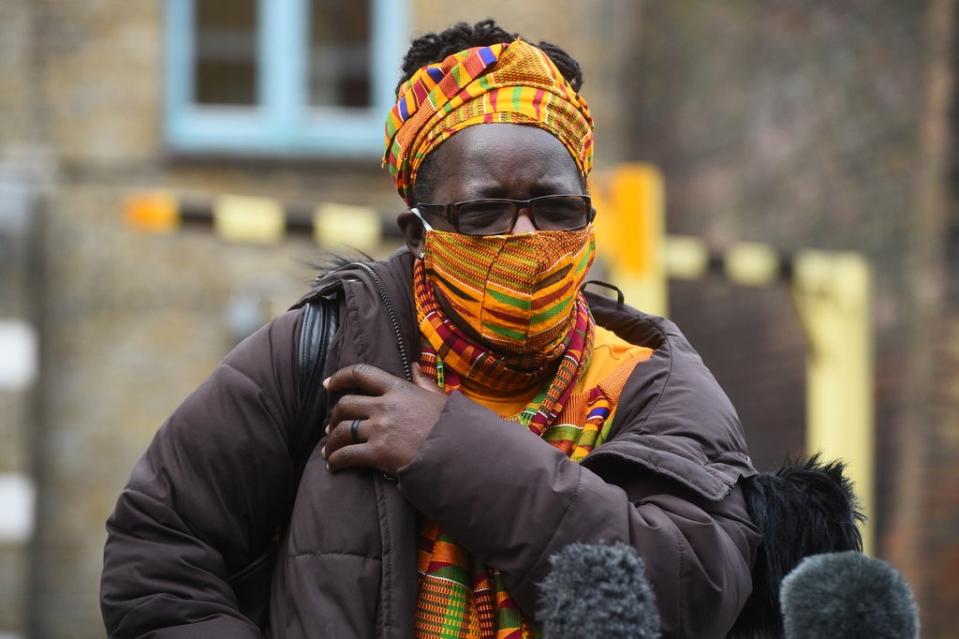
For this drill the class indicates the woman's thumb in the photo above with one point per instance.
(423, 380)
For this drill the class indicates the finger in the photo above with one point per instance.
(341, 436)
(364, 377)
(355, 456)
(351, 407)
(423, 380)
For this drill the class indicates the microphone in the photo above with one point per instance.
(846, 595)
(598, 591)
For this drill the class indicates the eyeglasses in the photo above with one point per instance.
(498, 216)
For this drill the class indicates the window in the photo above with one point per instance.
(281, 77)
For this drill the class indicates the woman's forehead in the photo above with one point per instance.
(504, 157)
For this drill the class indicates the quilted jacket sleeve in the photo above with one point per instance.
(513, 500)
(204, 498)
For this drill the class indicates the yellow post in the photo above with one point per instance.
(629, 226)
(832, 294)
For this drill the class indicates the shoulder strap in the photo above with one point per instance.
(321, 317)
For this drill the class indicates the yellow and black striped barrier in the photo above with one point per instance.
(247, 219)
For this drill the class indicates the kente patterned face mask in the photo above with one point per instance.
(517, 292)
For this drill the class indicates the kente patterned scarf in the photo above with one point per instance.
(511, 83)
(459, 597)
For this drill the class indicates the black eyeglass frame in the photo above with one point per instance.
(451, 211)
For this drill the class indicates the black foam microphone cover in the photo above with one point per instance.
(598, 591)
(847, 595)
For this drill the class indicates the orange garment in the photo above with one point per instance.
(612, 357)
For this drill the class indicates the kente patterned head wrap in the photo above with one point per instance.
(514, 82)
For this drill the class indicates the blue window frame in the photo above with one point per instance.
(278, 118)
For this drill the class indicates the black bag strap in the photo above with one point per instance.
(321, 316)
(321, 319)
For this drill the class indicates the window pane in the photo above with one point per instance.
(225, 51)
(340, 53)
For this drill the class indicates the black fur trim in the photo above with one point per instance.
(805, 508)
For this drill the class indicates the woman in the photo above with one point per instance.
(538, 415)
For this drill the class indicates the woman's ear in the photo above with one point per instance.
(413, 233)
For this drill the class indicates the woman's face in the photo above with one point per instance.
(513, 161)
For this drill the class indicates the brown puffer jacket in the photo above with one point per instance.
(207, 494)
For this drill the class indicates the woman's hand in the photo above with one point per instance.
(393, 418)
